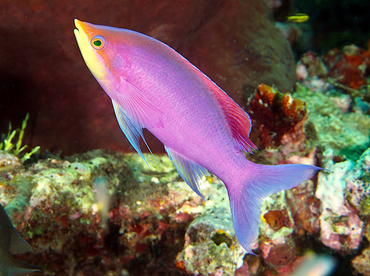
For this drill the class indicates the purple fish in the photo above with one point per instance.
(201, 127)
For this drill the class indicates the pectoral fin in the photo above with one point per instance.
(131, 129)
(137, 106)
(135, 111)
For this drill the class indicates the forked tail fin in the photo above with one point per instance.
(260, 182)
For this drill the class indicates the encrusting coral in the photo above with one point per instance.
(274, 115)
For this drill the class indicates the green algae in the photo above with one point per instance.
(8, 145)
(346, 133)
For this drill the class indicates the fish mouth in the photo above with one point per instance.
(77, 31)
(83, 32)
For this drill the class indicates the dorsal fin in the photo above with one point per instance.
(239, 121)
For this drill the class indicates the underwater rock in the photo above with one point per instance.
(358, 190)
(345, 70)
(211, 246)
(305, 208)
(331, 211)
(277, 117)
(9, 161)
(156, 224)
(340, 224)
(358, 195)
(276, 237)
(312, 72)
(347, 133)
(50, 77)
(53, 204)
(210, 243)
(361, 263)
(287, 219)
(345, 202)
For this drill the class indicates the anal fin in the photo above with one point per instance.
(135, 111)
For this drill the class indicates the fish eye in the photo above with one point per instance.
(98, 42)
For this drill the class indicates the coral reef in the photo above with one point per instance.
(155, 221)
(330, 213)
(208, 249)
(276, 236)
(361, 263)
(152, 218)
(108, 213)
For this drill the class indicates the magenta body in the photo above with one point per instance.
(201, 127)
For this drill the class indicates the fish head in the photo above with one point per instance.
(106, 51)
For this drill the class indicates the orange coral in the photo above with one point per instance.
(277, 219)
(275, 114)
